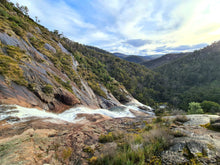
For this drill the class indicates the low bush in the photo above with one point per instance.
(47, 89)
(181, 119)
(210, 107)
(195, 108)
(133, 148)
(3, 13)
(106, 138)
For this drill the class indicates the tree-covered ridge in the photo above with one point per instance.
(144, 84)
(195, 77)
(165, 59)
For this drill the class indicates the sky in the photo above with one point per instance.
(134, 27)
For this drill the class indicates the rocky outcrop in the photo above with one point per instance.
(50, 48)
(66, 98)
(11, 40)
(39, 72)
(193, 143)
(215, 124)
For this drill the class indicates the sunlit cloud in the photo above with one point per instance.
(132, 27)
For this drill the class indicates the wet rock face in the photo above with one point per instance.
(15, 94)
(66, 98)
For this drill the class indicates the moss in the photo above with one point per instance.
(37, 43)
(210, 146)
(155, 160)
(10, 69)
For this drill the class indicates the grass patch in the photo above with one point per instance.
(136, 148)
(67, 152)
(10, 69)
(17, 53)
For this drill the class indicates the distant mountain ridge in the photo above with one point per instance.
(136, 58)
(165, 59)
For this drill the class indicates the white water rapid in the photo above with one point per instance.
(24, 114)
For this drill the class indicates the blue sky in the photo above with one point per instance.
(142, 27)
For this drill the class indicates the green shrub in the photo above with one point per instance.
(88, 149)
(148, 127)
(106, 138)
(195, 108)
(47, 89)
(16, 29)
(3, 13)
(210, 107)
(97, 89)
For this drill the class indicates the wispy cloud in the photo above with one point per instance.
(132, 27)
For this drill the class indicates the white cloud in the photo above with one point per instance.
(110, 24)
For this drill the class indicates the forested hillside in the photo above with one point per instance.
(144, 84)
(194, 77)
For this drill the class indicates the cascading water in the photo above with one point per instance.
(24, 114)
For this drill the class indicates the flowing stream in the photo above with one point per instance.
(13, 112)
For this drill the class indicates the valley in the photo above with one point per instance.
(63, 102)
